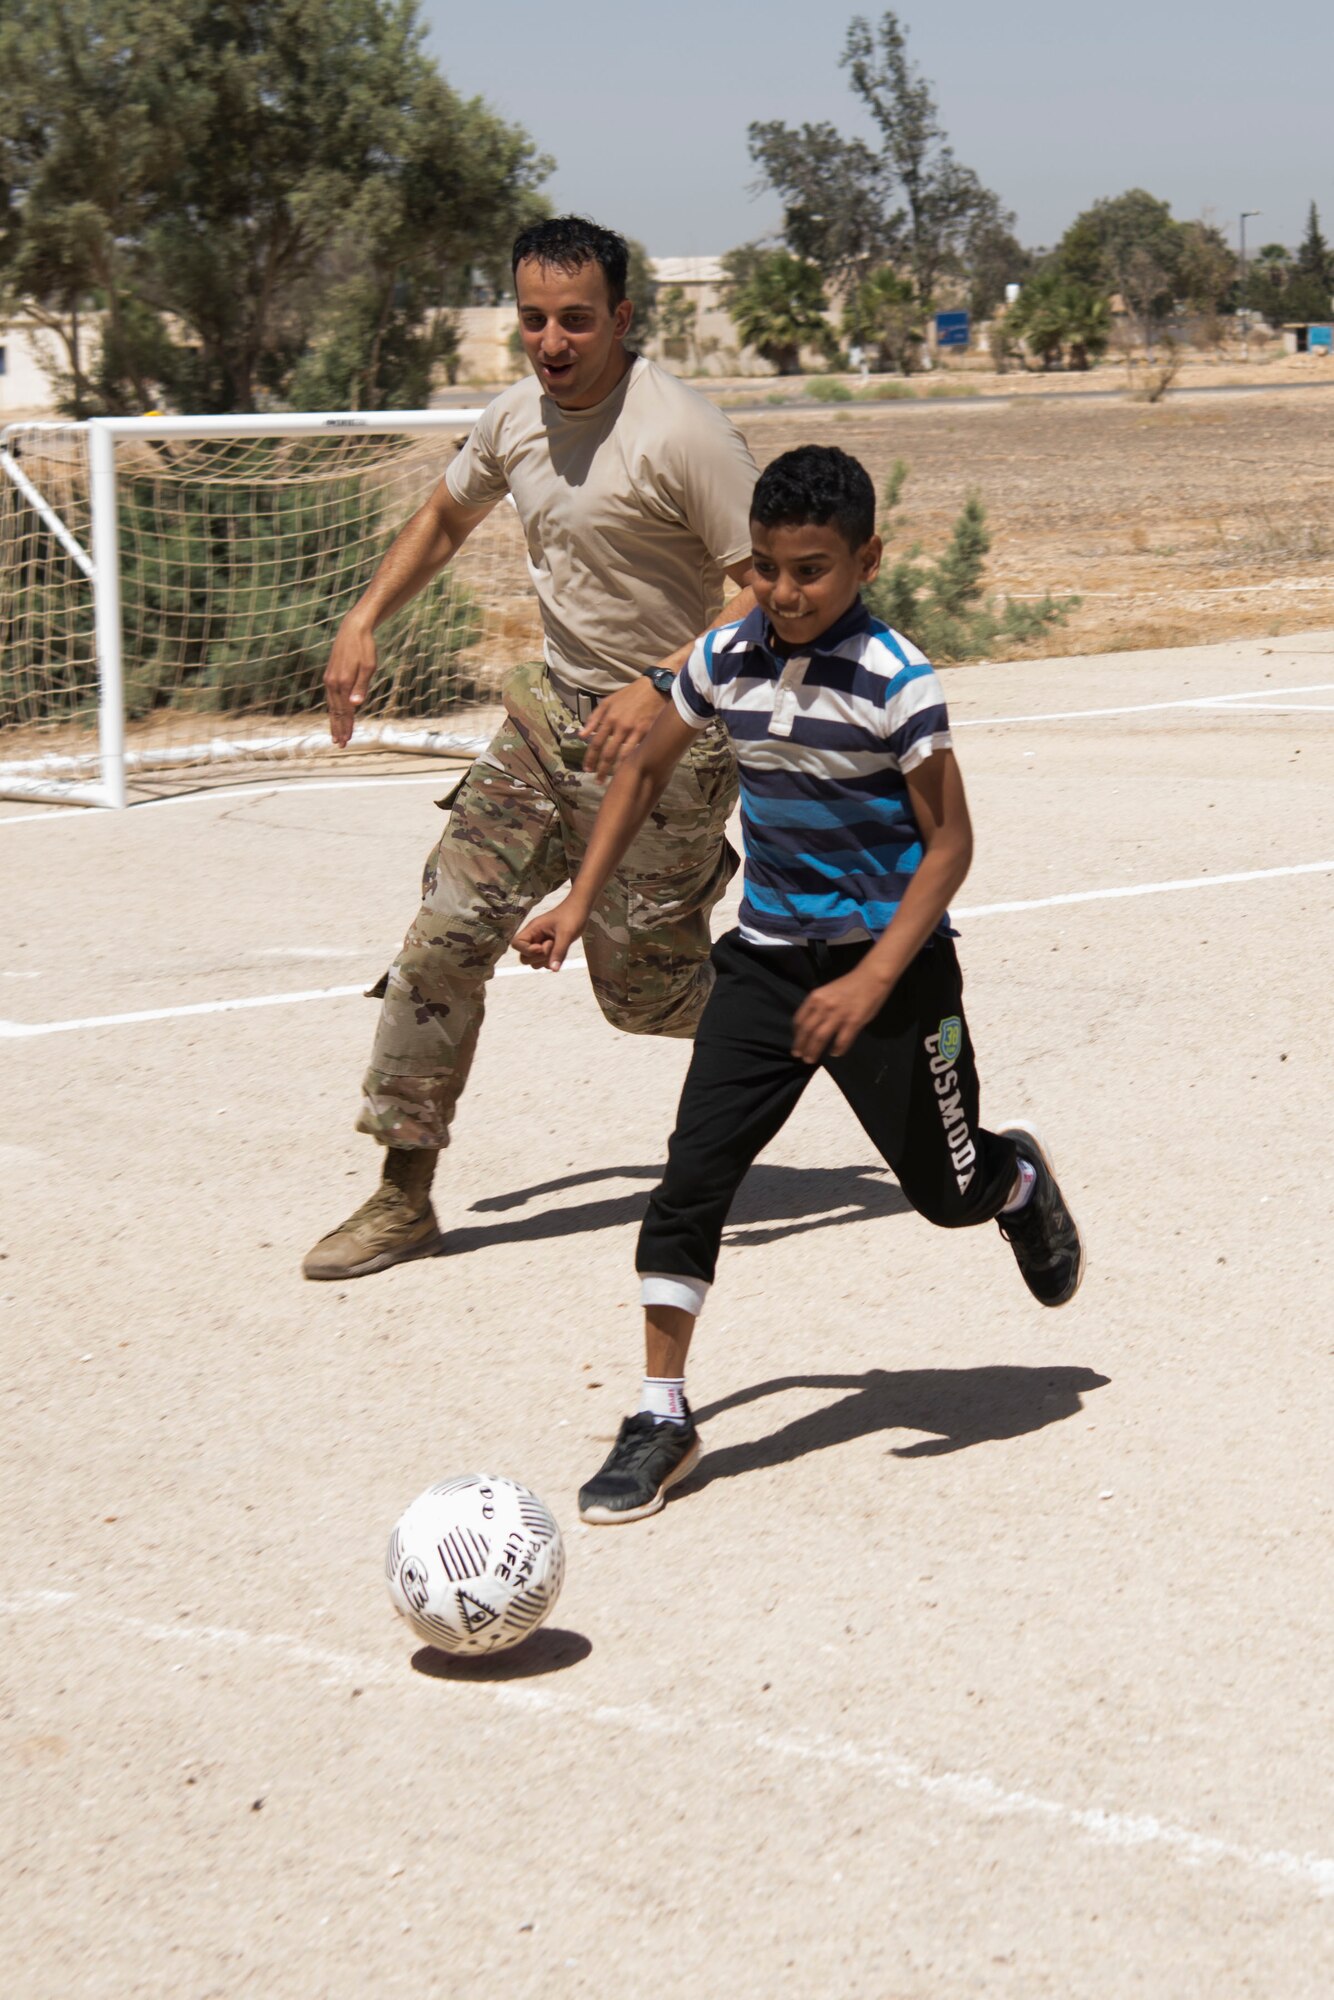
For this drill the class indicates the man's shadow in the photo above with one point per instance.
(773, 1202)
(958, 1407)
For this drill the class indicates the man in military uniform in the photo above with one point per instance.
(634, 495)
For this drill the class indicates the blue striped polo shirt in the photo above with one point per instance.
(823, 737)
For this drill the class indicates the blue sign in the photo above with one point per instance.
(1320, 336)
(952, 329)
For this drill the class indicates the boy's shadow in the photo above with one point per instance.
(957, 1406)
(772, 1202)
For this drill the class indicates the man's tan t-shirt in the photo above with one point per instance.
(632, 511)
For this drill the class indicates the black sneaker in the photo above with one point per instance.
(1043, 1235)
(645, 1460)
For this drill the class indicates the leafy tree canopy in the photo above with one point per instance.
(239, 184)
(777, 304)
(848, 208)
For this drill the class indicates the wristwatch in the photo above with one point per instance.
(663, 680)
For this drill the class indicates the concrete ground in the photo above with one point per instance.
(986, 1653)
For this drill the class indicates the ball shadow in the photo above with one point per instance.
(546, 1651)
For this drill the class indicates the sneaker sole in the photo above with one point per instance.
(606, 1517)
(1036, 1141)
(382, 1262)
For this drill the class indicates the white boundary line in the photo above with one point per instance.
(973, 1792)
(1263, 698)
(295, 788)
(22, 1030)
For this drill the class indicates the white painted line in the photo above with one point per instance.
(294, 788)
(1139, 707)
(973, 1792)
(1146, 889)
(21, 1030)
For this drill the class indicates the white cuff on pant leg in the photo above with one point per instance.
(663, 1288)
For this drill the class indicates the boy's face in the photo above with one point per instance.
(570, 331)
(806, 578)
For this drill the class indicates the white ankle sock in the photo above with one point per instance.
(1028, 1180)
(663, 1397)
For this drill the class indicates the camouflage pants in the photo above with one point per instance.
(518, 830)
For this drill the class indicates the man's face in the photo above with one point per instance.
(570, 333)
(805, 578)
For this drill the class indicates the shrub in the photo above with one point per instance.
(828, 389)
(941, 606)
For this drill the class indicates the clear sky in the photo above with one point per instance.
(1214, 108)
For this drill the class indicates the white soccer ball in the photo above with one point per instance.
(475, 1564)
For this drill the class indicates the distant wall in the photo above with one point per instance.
(24, 383)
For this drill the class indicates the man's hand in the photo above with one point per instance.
(620, 722)
(348, 676)
(829, 1020)
(546, 940)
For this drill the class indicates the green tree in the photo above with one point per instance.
(943, 200)
(256, 179)
(1131, 244)
(778, 307)
(1060, 320)
(943, 606)
(992, 257)
(883, 314)
(641, 288)
(1207, 274)
(1306, 296)
(677, 320)
(832, 189)
(848, 208)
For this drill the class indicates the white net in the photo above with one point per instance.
(238, 557)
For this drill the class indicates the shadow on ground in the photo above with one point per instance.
(773, 1202)
(546, 1651)
(957, 1407)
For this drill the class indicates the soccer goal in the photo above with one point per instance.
(170, 588)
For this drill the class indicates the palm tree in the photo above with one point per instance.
(1061, 320)
(779, 308)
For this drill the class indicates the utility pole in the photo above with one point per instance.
(1245, 314)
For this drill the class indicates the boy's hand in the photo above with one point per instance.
(620, 723)
(829, 1020)
(547, 939)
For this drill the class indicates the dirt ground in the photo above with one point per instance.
(1176, 523)
(986, 1653)
(1201, 518)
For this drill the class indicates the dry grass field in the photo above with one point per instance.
(1181, 522)
(1177, 523)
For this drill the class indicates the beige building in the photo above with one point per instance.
(26, 352)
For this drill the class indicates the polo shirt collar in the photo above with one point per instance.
(753, 630)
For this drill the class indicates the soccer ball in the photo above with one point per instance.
(475, 1564)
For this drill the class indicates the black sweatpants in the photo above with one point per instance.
(909, 1077)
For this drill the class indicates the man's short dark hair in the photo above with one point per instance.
(814, 486)
(570, 241)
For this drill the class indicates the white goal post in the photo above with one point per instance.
(170, 588)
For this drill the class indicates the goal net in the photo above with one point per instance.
(170, 589)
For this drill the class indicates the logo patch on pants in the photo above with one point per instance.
(943, 1049)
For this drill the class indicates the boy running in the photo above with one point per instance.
(856, 836)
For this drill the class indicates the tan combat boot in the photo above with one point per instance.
(397, 1222)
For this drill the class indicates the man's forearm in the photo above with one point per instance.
(415, 555)
(734, 610)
